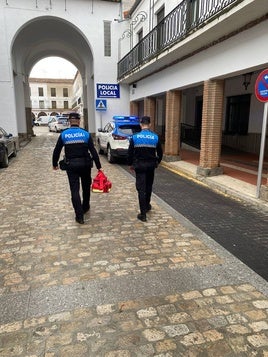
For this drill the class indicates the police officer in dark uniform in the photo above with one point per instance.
(144, 155)
(79, 156)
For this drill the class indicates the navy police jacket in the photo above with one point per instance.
(145, 150)
(77, 143)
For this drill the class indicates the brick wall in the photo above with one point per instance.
(172, 134)
(213, 96)
(149, 110)
(134, 108)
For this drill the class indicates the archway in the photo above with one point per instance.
(43, 37)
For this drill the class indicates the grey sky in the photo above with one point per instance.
(53, 67)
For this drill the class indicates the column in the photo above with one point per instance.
(173, 121)
(212, 117)
(134, 108)
(28, 108)
(149, 110)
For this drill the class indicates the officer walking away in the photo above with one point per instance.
(144, 155)
(79, 156)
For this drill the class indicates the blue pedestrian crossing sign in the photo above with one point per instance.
(101, 104)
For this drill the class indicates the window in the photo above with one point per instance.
(108, 128)
(107, 38)
(53, 104)
(40, 91)
(160, 27)
(66, 104)
(53, 92)
(140, 37)
(160, 15)
(65, 92)
(192, 13)
(41, 104)
(237, 114)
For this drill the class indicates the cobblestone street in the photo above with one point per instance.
(115, 286)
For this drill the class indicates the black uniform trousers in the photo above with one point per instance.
(74, 177)
(144, 186)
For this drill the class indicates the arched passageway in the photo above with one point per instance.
(40, 38)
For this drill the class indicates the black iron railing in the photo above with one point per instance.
(189, 15)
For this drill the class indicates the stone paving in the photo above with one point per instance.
(115, 286)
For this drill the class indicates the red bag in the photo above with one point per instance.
(101, 183)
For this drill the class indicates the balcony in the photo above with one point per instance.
(190, 27)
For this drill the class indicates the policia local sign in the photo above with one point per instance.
(105, 90)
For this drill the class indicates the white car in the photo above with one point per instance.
(43, 120)
(58, 124)
(113, 139)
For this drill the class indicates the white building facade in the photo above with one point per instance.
(80, 31)
(77, 100)
(192, 66)
(51, 96)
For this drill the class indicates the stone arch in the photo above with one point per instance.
(42, 37)
(42, 114)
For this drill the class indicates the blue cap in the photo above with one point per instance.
(74, 115)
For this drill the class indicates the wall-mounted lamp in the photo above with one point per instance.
(125, 34)
(140, 17)
(247, 79)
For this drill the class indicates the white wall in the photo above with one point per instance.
(87, 19)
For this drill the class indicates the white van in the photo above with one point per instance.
(43, 120)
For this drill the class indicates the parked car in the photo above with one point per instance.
(58, 124)
(43, 120)
(8, 147)
(113, 139)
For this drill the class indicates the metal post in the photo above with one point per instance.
(262, 148)
(101, 119)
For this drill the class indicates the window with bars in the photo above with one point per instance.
(41, 104)
(53, 104)
(107, 38)
(66, 104)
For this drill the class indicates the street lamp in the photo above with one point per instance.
(140, 17)
(247, 79)
(125, 34)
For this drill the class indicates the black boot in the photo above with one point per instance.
(142, 217)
